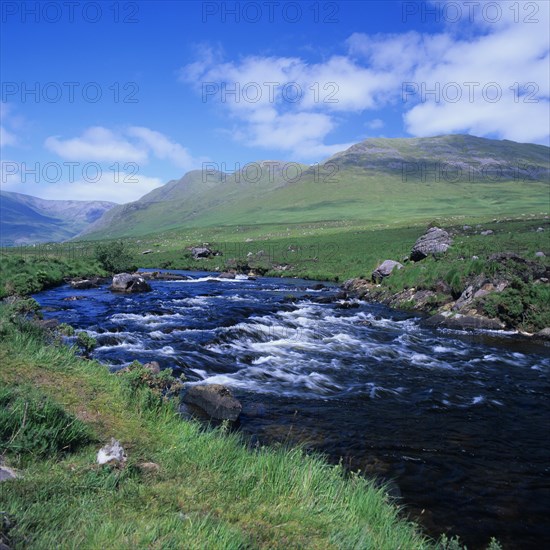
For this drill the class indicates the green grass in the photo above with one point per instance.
(22, 271)
(370, 184)
(33, 424)
(210, 491)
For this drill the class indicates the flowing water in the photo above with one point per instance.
(457, 422)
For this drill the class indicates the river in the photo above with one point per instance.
(458, 422)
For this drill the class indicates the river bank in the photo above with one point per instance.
(206, 489)
(324, 361)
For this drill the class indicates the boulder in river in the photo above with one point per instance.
(434, 241)
(457, 321)
(226, 275)
(543, 334)
(126, 282)
(215, 399)
(385, 269)
(79, 283)
(162, 276)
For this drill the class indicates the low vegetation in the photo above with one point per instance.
(114, 257)
(22, 274)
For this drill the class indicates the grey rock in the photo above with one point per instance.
(199, 252)
(216, 400)
(463, 322)
(7, 473)
(434, 241)
(385, 269)
(161, 276)
(543, 334)
(48, 324)
(84, 284)
(152, 366)
(226, 275)
(465, 298)
(540, 254)
(147, 252)
(466, 227)
(540, 229)
(112, 454)
(126, 282)
(487, 232)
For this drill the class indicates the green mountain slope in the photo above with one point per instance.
(378, 182)
(25, 219)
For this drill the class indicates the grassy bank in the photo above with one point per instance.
(22, 274)
(333, 251)
(207, 490)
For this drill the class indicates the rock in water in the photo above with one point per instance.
(112, 454)
(216, 400)
(83, 284)
(226, 275)
(385, 269)
(457, 321)
(543, 334)
(434, 241)
(126, 282)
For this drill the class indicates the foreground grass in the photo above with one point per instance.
(210, 490)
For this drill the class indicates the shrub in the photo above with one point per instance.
(162, 385)
(86, 342)
(114, 257)
(65, 329)
(31, 423)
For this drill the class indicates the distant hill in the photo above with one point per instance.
(27, 220)
(379, 181)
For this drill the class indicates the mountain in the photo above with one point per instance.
(27, 220)
(378, 181)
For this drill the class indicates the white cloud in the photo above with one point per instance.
(162, 147)
(96, 144)
(7, 138)
(375, 124)
(371, 77)
(133, 144)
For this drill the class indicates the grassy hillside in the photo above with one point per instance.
(379, 182)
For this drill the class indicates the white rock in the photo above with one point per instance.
(112, 453)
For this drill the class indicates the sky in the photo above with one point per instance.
(109, 100)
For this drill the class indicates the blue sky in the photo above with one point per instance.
(109, 100)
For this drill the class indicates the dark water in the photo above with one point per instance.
(458, 422)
